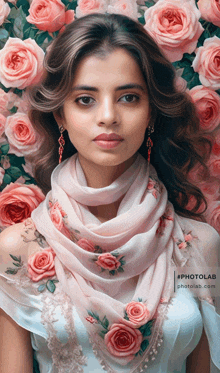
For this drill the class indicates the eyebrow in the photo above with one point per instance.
(94, 89)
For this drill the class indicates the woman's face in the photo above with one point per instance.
(109, 97)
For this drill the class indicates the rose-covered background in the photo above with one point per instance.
(188, 31)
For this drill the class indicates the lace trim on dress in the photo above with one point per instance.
(67, 357)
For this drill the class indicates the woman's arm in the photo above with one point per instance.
(16, 354)
(199, 360)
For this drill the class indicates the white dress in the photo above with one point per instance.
(60, 340)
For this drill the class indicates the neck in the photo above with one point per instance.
(99, 176)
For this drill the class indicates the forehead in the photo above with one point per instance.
(117, 67)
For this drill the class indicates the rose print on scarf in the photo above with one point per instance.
(186, 243)
(113, 262)
(167, 216)
(123, 340)
(56, 214)
(154, 187)
(40, 265)
(89, 246)
(137, 313)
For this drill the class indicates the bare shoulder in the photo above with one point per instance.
(20, 239)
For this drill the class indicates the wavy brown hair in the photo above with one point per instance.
(178, 146)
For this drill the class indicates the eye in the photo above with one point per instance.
(129, 98)
(85, 100)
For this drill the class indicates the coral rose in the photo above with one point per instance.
(41, 265)
(213, 215)
(4, 11)
(21, 63)
(123, 341)
(17, 201)
(210, 189)
(188, 237)
(2, 173)
(128, 8)
(216, 144)
(4, 98)
(210, 11)
(214, 166)
(108, 261)
(22, 137)
(175, 26)
(182, 245)
(47, 15)
(91, 320)
(56, 215)
(90, 6)
(2, 124)
(86, 245)
(137, 313)
(206, 63)
(207, 104)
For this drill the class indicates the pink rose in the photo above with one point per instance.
(56, 215)
(90, 6)
(47, 15)
(123, 341)
(108, 261)
(86, 245)
(182, 245)
(207, 104)
(206, 63)
(4, 103)
(91, 320)
(210, 11)
(213, 215)
(151, 184)
(41, 265)
(2, 124)
(175, 26)
(188, 237)
(210, 189)
(22, 137)
(128, 8)
(5, 162)
(4, 11)
(137, 313)
(2, 173)
(17, 201)
(69, 16)
(216, 144)
(214, 166)
(21, 63)
(28, 167)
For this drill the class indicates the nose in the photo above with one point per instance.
(107, 113)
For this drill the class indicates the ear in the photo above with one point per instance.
(59, 118)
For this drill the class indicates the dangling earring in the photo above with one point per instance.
(61, 142)
(149, 142)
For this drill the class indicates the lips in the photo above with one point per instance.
(108, 137)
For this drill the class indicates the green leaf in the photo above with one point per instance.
(120, 269)
(14, 110)
(144, 345)
(4, 149)
(6, 179)
(17, 264)
(40, 37)
(41, 288)
(14, 172)
(16, 258)
(146, 329)
(55, 281)
(50, 286)
(139, 299)
(112, 272)
(3, 34)
(101, 335)
(105, 322)
(11, 271)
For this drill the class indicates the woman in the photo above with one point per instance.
(100, 254)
